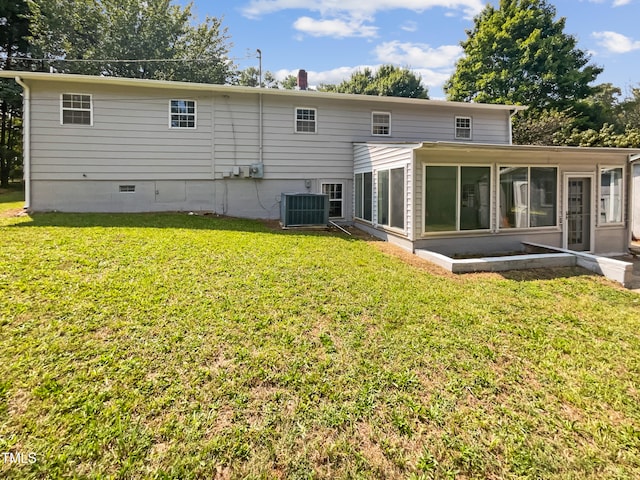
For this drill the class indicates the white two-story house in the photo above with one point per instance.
(420, 173)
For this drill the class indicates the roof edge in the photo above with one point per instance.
(165, 84)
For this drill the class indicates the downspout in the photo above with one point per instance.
(26, 141)
(512, 114)
(632, 201)
(260, 143)
(260, 139)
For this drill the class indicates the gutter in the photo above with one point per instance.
(26, 141)
(512, 114)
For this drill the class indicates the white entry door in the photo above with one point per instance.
(578, 213)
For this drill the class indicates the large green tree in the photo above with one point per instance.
(162, 40)
(14, 48)
(388, 80)
(518, 53)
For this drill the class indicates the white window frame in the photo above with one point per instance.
(376, 201)
(341, 199)
(314, 121)
(498, 206)
(458, 129)
(374, 124)
(600, 223)
(459, 167)
(194, 114)
(73, 109)
(363, 198)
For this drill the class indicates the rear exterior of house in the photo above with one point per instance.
(126, 145)
(460, 199)
(420, 173)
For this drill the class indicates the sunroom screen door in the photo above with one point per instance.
(578, 214)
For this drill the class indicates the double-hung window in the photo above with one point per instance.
(528, 197)
(611, 183)
(182, 114)
(457, 198)
(76, 109)
(391, 197)
(364, 198)
(463, 128)
(335, 192)
(306, 120)
(381, 123)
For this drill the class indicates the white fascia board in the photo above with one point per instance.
(229, 89)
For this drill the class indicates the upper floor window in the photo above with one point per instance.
(306, 119)
(381, 123)
(463, 128)
(76, 109)
(182, 114)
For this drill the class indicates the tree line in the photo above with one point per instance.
(515, 53)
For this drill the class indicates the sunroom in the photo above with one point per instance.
(470, 199)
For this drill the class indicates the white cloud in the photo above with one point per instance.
(359, 8)
(434, 65)
(418, 55)
(334, 28)
(410, 26)
(616, 42)
(615, 3)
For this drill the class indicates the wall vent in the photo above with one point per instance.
(304, 209)
(127, 188)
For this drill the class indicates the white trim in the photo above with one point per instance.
(315, 120)
(565, 203)
(377, 112)
(229, 89)
(195, 114)
(72, 109)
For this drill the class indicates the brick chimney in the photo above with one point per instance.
(302, 80)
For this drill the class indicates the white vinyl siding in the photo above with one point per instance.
(76, 109)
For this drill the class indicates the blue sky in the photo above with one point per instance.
(333, 38)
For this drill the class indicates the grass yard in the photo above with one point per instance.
(175, 346)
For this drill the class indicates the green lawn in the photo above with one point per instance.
(176, 346)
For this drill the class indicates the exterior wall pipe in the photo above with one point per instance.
(512, 113)
(26, 140)
(634, 199)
